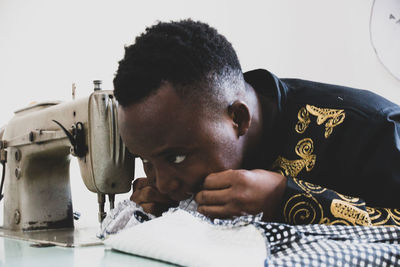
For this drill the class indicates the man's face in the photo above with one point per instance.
(178, 141)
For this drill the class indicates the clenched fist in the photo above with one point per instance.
(240, 192)
(149, 198)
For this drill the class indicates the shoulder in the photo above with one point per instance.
(363, 102)
(292, 93)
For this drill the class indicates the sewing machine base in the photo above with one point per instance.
(60, 237)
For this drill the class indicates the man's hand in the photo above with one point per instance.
(239, 192)
(149, 198)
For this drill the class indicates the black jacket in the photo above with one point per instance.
(339, 148)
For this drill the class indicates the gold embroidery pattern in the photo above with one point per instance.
(303, 209)
(355, 201)
(374, 214)
(333, 117)
(384, 216)
(303, 149)
(308, 187)
(344, 210)
(304, 120)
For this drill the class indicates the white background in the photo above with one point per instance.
(46, 45)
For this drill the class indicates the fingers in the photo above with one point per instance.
(217, 203)
(225, 179)
(213, 197)
(219, 211)
(139, 183)
(219, 180)
(149, 194)
(154, 208)
(226, 194)
(213, 211)
(149, 198)
(144, 190)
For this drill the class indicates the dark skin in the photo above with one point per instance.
(187, 152)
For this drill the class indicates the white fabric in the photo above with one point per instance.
(181, 238)
(121, 217)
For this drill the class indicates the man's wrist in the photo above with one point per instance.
(280, 196)
(276, 186)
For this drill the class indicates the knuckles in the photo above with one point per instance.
(139, 183)
(238, 177)
(148, 193)
(143, 191)
(242, 177)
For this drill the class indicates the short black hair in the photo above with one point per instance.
(182, 53)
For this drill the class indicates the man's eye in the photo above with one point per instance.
(178, 159)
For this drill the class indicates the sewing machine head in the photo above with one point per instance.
(36, 146)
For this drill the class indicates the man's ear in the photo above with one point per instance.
(239, 112)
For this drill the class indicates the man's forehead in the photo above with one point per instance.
(161, 107)
(161, 120)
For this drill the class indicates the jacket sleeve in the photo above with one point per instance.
(306, 203)
(378, 161)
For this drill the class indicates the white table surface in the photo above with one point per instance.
(15, 252)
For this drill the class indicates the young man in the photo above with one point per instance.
(299, 151)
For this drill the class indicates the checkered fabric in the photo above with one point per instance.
(335, 245)
(323, 245)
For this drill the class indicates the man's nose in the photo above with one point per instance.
(166, 181)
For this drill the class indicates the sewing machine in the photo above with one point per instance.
(35, 147)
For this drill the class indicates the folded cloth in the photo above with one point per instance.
(182, 240)
(189, 239)
(128, 214)
(125, 215)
